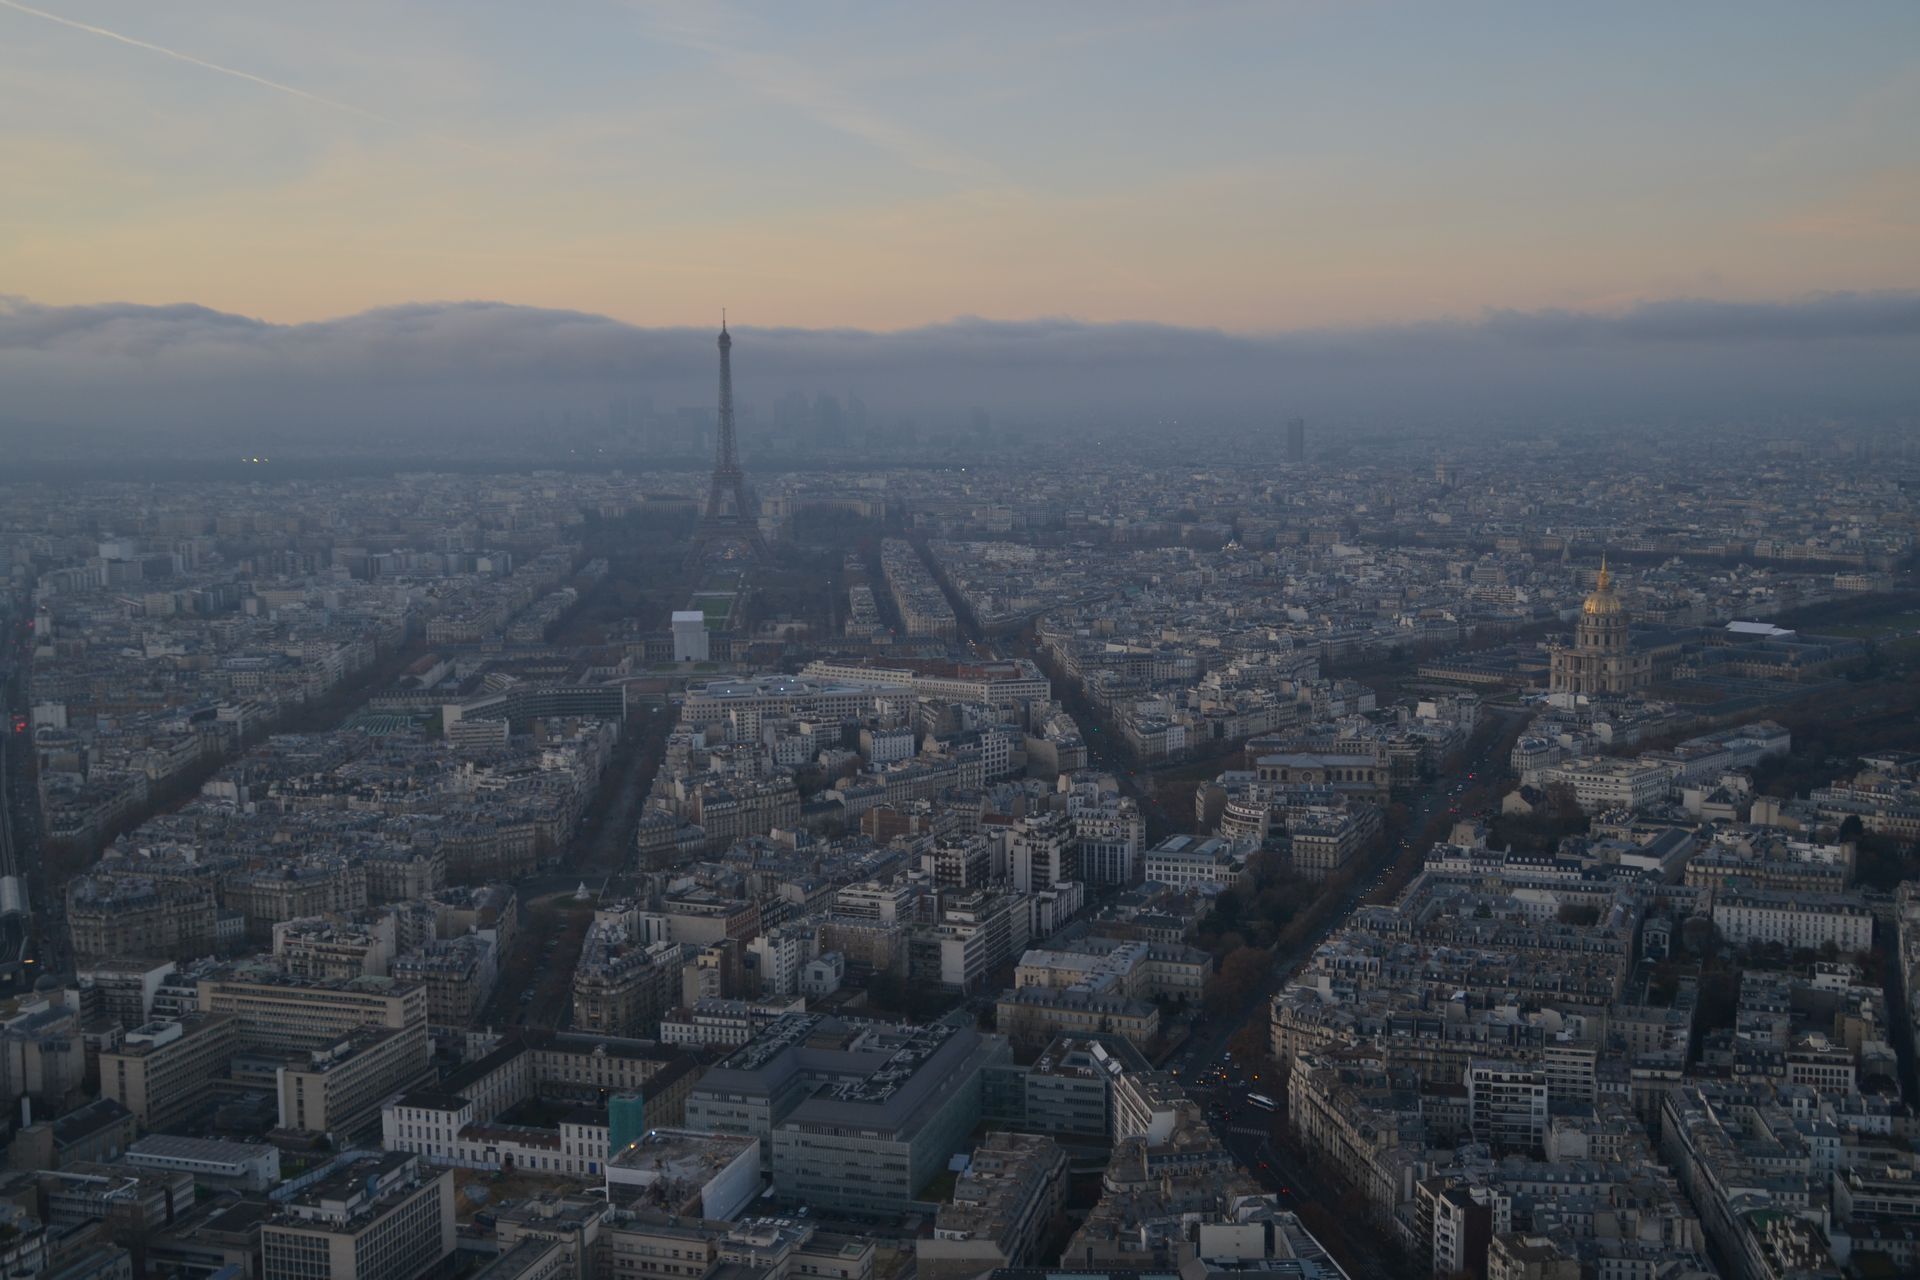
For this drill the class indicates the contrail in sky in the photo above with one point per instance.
(190, 60)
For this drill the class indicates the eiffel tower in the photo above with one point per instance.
(730, 521)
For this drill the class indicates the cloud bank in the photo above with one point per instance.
(430, 372)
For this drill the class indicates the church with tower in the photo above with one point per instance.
(1601, 662)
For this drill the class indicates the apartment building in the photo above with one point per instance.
(1507, 1104)
(458, 973)
(1139, 970)
(1001, 1209)
(111, 917)
(1032, 1016)
(1041, 851)
(1743, 914)
(1325, 839)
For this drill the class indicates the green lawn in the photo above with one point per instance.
(1873, 629)
(717, 608)
(940, 1190)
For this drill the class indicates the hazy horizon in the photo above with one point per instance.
(433, 367)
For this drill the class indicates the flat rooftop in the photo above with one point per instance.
(682, 1154)
(210, 1150)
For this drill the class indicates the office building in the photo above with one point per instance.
(162, 1070)
(280, 1013)
(382, 1217)
(213, 1164)
(1195, 862)
(338, 1090)
(856, 1116)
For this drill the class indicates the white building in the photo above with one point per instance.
(238, 1166)
(1744, 915)
(780, 954)
(689, 635)
(1042, 851)
(886, 746)
(1051, 909)
(740, 705)
(1109, 835)
(1604, 784)
(1454, 1206)
(722, 1169)
(718, 1023)
(1531, 754)
(441, 1129)
(823, 974)
(1007, 684)
(1192, 862)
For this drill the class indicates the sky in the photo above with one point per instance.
(1251, 167)
(214, 210)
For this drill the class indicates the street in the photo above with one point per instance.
(1210, 1043)
(1245, 1128)
(536, 980)
(1248, 1130)
(21, 957)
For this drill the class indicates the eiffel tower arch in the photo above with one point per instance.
(731, 518)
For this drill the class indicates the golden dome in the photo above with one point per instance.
(1602, 603)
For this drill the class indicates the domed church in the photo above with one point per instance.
(1601, 661)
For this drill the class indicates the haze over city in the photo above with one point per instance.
(1400, 213)
(841, 641)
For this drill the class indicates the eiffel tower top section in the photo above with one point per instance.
(726, 451)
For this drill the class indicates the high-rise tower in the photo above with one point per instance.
(732, 516)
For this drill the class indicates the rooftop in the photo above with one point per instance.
(213, 1150)
(681, 1154)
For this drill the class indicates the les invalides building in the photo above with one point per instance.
(1601, 661)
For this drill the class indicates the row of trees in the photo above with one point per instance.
(1558, 816)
